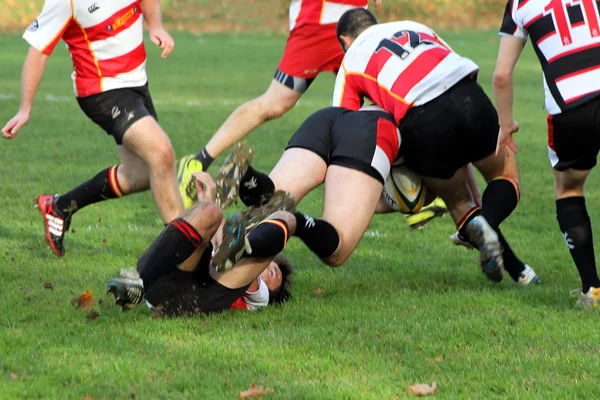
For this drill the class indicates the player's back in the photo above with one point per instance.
(320, 12)
(566, 37)
(399, 65)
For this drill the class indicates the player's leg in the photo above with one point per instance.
(574, 141)
(179, 246)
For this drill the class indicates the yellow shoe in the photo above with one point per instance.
(590, 299)
(436, 208)
(187, 188)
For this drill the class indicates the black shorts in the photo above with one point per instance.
(456, 128)
(116, 110)
(574, 137)
(365, 141)
(187, 293)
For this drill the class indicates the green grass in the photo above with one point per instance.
(406, 308)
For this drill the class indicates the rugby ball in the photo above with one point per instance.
(404, 190)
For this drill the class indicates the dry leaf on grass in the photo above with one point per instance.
(14, 376)
(255, 391)
(84, 301)
(422, 389)
(48, 285)
(319, 292)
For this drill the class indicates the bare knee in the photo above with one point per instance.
(272, 107)
(287, 217)
(164, 156)
(337, 259)
(206, 217)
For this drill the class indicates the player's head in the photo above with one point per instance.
(353, 23)
(277, 277)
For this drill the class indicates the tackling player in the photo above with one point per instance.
(349, 152)
(566, 38)
(446, 120)
(105, 40)
(176, 277)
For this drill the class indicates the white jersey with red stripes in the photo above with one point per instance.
(398, 65)
(320, 12)
(566, 37)
(105, 39)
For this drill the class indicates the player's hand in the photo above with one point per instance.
(505, 137)
(12, 127)
(206, 186)
(217, 238)
(162, 39)
(378, 3)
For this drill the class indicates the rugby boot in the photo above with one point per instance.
(485, 239)
(231, 173)
(589, 299)
(187, 166)
(55, 224)
(280, 201)
(233, 245)
(436, 208)
(128, 289)
(528, 277)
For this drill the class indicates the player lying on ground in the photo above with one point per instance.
(351, 153)
(111, 86)
(446, 120)
(176, 277)
(566, 40)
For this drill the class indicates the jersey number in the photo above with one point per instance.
(558, 8)
(397, 44)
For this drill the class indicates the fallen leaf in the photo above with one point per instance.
(100, 301)
(73, 230)
(89, 398)
(14, 376)
(48, 285)
(255, 391)
(320, 292)
(104, 240)
(439, 359)
(92, 315)
(422, 389)
(84, 301)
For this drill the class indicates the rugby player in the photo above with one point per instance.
(566, 38)
(446, 120)
(105, 40)
(176, 277)
(351, 153)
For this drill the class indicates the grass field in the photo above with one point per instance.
(406, 308)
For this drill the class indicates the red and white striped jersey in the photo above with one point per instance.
(105, 39)
(398, 65)
(566, 37)
(320, 12)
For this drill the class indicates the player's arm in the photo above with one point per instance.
(33, 70)
(344, 94)
(42, 35)
(158, 35)
(512, 42)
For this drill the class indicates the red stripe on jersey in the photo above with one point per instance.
(116, 23)
(387, 138)
(125, 63)
(546, 36)
(379, 95)
(418, 69)
(88, 77)
(581, 71)
(572, 99)
(522, 3)
(566, 53)
(239, 304)
(377, 61)
(533, 20)
(49, 48)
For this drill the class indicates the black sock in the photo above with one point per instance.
(499, 200)
(205, 158)
(103, 186)
(268, 238)
(512, 264)
(318, 235)
(576, 227)
(256, 188)
(176, 243)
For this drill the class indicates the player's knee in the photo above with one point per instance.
(164, 156)
(205, 216)
(273, 108)
(336, 260)
(287, 217)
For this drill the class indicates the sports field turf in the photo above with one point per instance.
(407, 308)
